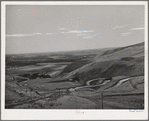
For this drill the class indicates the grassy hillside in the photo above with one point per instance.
(125, 61)
(128, 51)
(74, 65)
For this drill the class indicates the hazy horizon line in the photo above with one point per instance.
(72, 50)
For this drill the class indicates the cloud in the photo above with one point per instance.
(117, 27)
(49, 33)
(76, 31)
(137, 29)
(62, 28)
(20, 35)
(81, 34)
(91, 36)
(26, 35)
(37, 33)
(87, 37)
(126, 34)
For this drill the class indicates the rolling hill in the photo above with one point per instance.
(125, 61)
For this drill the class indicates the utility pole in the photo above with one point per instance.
(102, 99)
(59, 92)
(76, 102)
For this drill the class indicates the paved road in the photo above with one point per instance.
(121, 81)
(88, 82)
(90, 86)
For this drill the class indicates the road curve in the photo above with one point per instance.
(105, 82)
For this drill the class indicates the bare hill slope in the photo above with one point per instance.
(124, 61)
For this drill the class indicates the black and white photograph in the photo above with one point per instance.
(75, 57)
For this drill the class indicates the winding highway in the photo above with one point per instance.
(105, 82)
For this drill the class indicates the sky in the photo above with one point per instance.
(56, 28)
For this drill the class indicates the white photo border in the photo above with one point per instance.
(47, 114)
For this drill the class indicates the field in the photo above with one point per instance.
(110, 78)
